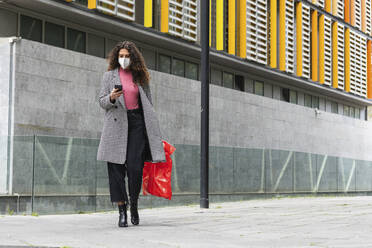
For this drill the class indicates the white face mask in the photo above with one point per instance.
(124, 62)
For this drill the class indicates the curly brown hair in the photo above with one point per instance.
(137, 65)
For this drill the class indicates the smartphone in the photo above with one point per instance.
(118, 86)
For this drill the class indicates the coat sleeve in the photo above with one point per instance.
(104, 93)
(147, 90)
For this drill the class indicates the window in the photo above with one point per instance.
(239, 82)
(54, 34)
(315, 102)
(228, 80)
(346, 110)
(322, 104)
(308, 100)
(357, 113)
(248, 85)
(75, 40)
(96, 45)
(293, 96)
(216, 76)
(258, 88)
(178, 67)
(284, 96)
(352, 112)
(110, 44)
(8, 23)
(192, 70)
(268, 90)
(334, 107)
(164, 63)
(150, 58)
(31, 28)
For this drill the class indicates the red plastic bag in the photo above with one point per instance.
(156, 179)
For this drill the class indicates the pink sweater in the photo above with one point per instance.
(130, 89)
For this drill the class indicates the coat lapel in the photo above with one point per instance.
(117, 81)
(140, 92)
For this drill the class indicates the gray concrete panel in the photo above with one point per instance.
(346, 174)
(22, 164)
(326, 173)
(186, 169)
(221, 169)
(279, 171)
(304, 172)
(64, 166)
(249, 170)
(363, 175)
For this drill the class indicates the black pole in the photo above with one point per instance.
(204, 134)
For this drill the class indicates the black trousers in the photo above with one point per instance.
(133, 166)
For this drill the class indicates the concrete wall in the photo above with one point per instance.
(56, 94)
(258, 144)
(57, 89)
(239, 119)
(4, 111)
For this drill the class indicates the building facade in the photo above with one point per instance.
(324, 46)
(289, 98)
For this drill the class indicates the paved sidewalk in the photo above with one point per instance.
(284, 222)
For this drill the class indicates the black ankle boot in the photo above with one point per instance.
(134, 218)
(123, 215)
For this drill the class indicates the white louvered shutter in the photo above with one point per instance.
(327, 51)
(183, 18)
(358, 14)
(289, 36)
(190, 19)
(257, 31)
(340, 8)
(175, 17)
(340, 56)
(358, 64)
(368, 17)
(124, 9)
(306, 41)
(319, 3)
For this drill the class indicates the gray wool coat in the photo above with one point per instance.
(113, 143)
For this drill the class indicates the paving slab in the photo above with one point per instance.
(278, 222)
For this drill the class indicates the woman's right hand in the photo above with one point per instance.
(115, 93)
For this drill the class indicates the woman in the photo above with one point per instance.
(131, 134)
